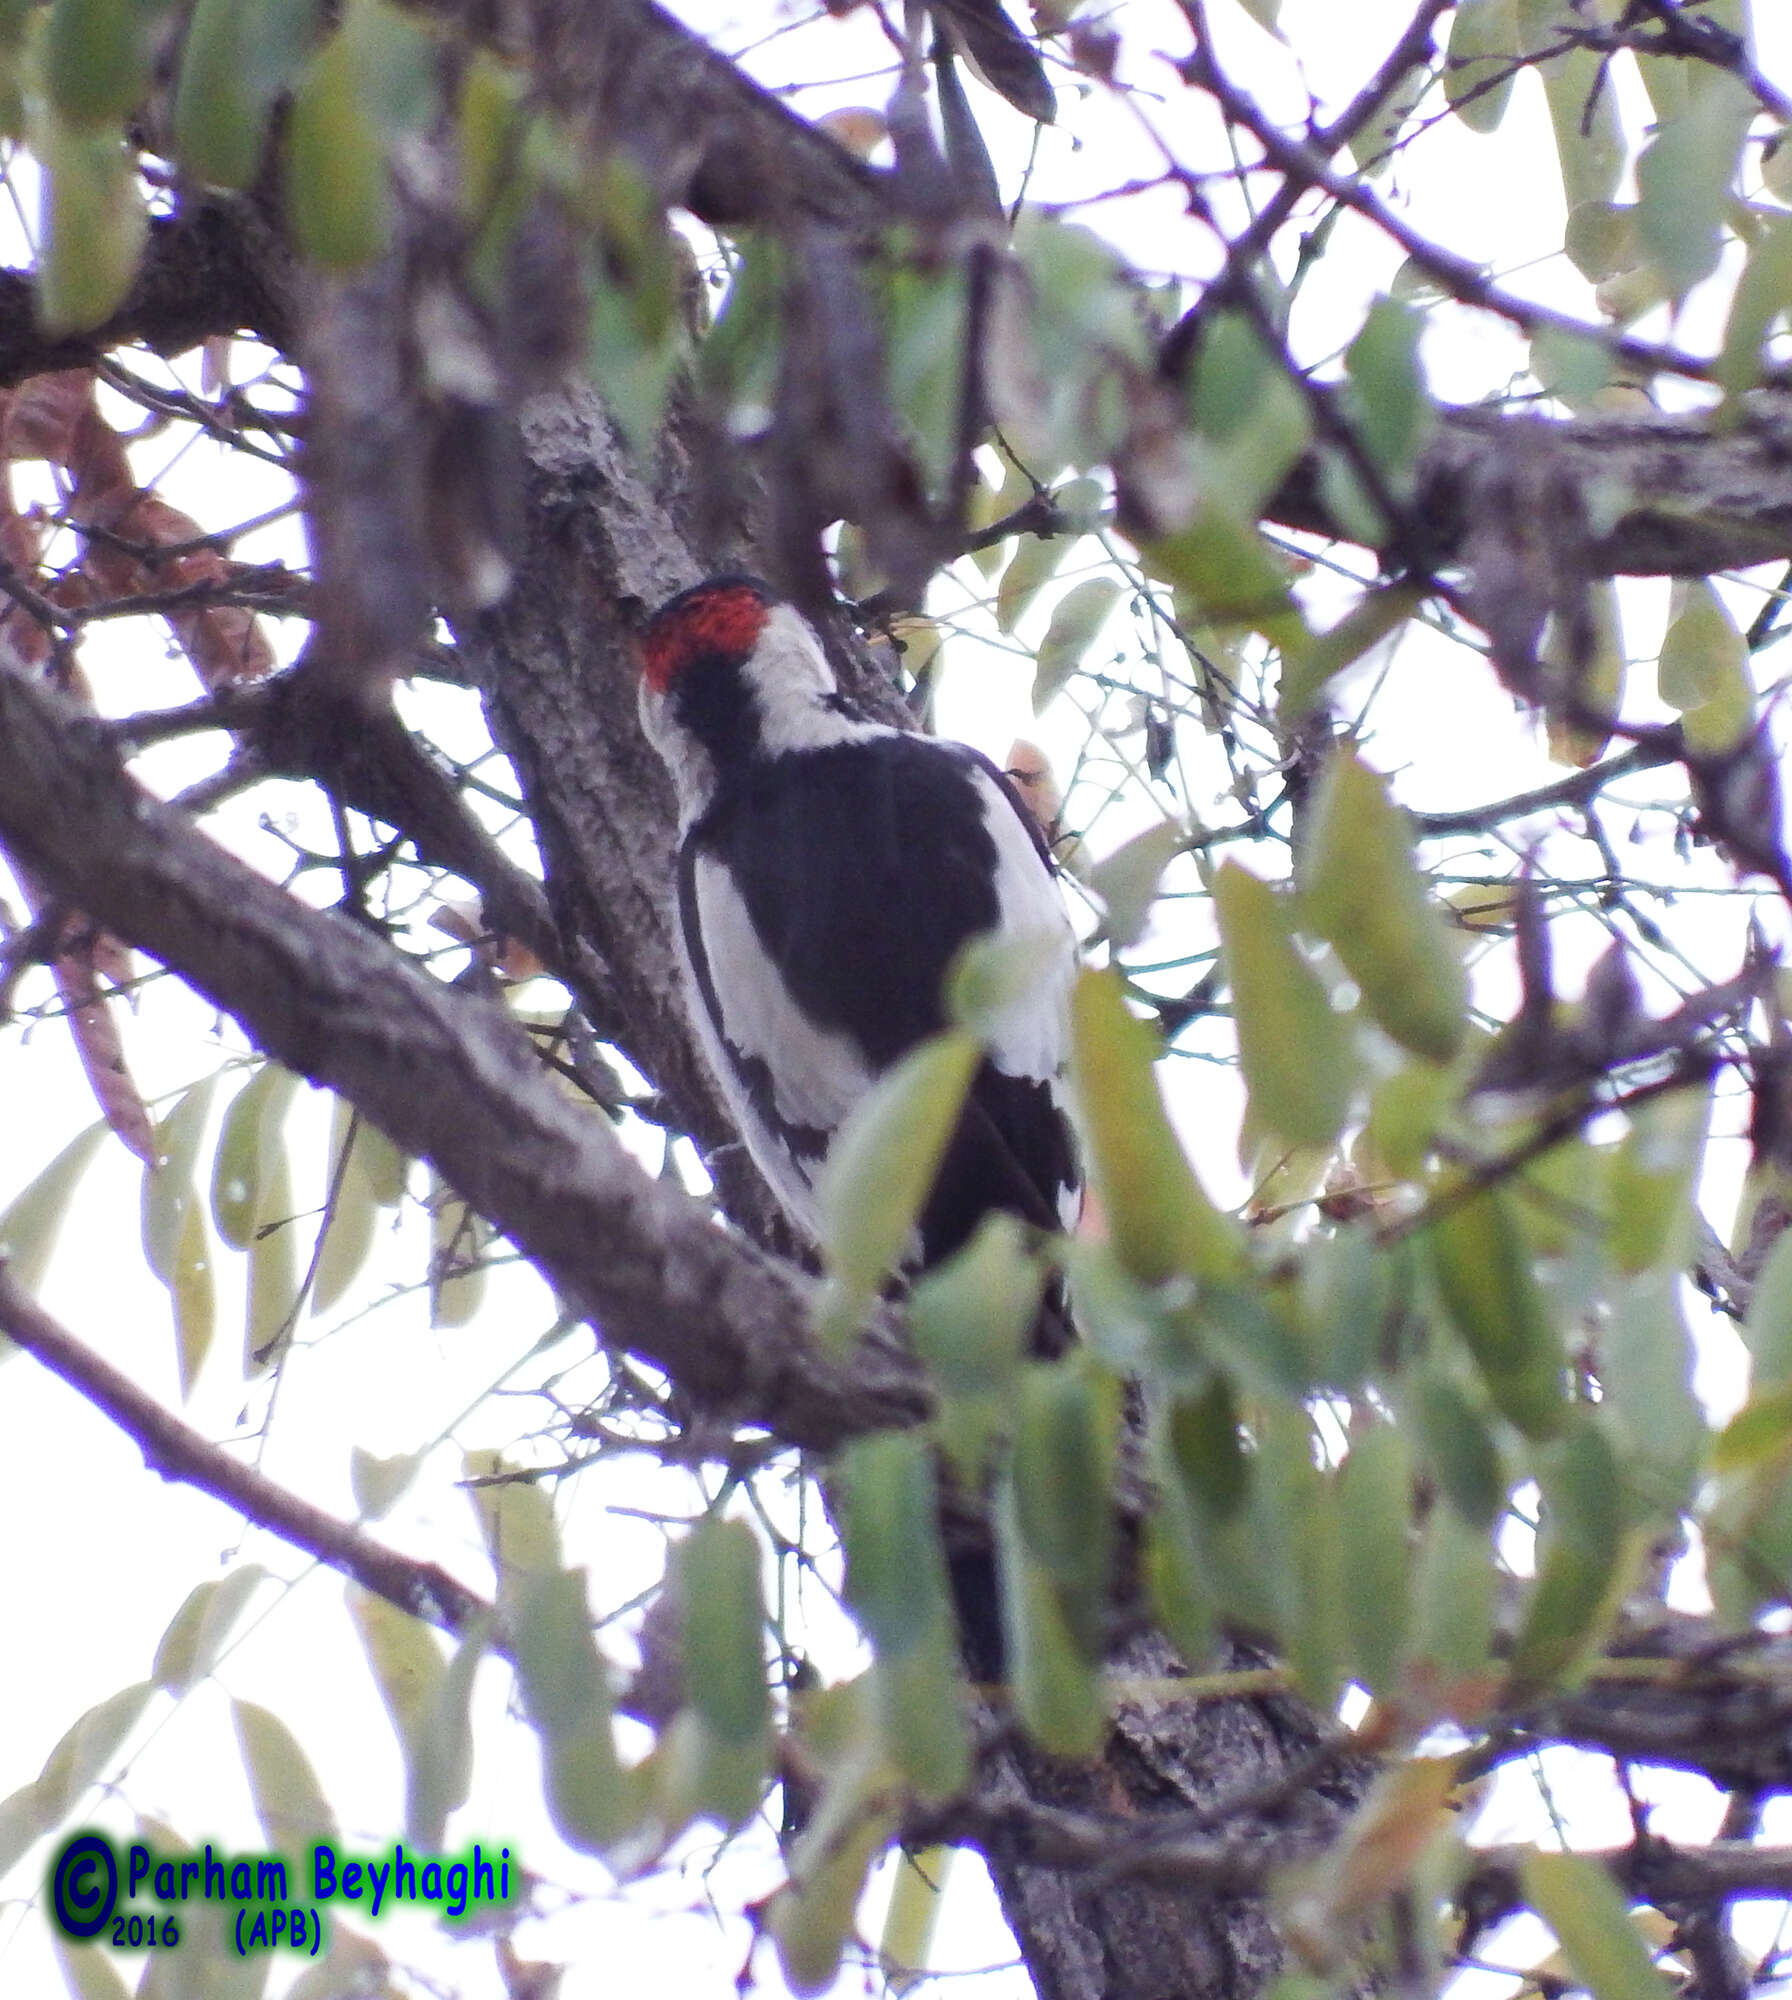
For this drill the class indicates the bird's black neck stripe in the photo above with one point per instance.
(713, 700)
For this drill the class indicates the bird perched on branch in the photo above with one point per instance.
(830, 868)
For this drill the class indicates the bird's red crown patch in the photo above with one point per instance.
(722, 616)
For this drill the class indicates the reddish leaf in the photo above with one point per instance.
(83, 955)
(38, 419)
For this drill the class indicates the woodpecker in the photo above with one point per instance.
(829, 870)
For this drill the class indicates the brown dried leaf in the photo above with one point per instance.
(21, 543)
(224, 643)
(83, 954)
(39, 418)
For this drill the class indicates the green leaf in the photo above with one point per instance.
(95, 59)
(924, 336)
(1762, 298)
(379, 1483)
(88, 1973)
(1160, 1221)
(1598, 681)
(722, 1623)
(1684, 183)
(969, 1319)
(1062, 333)
(438, 1763)
(1295, 1511)
(1062, 1472)
(1653, 1175)
(880, 1168)
(1375, 1492)
(1363, 892)
(1127, 880)
(1373, 147)
(633, 351)
(1645, 1370)
(1375, 615)
(895, 1568)
(1767, 1325)
(1458, 1446)
(1387, 399)
(1230, 575)
(1479, 61)
(337, 196)
(1582, 106)
(1757, 1434)
(1253, 1332)
(1037, 559)
(1296, 1053)
(516, 1518)
(406, 1659)
(1176, 1581)
(1590, 1916)
(459, 1238)
(274, 1273)
(1601, 240)
(915, 1898)
(239, 55)
(566, 1694)
(1057, 1687)
(1405, 1111)
(289, 1802)
(1252, 421)
(1483, 1270)
(812, 1916)
(174, 1235)
(92, 226)
(198, 1630)
(1581, 1565)
(1077, 619)
(995, 978)
(33, 1219)
(1446, 1664)
(1701, 649)
(1353, 1294)
(1704, 669)
(84, 1750)
(236, 1164)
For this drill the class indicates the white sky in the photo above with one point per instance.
(102, 1553)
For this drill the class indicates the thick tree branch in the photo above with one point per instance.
(216, 267)
(447, 1076)
(1677, 496)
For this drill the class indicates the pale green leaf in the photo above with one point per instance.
(289, 1801)
(1160, 1220)
(1127, 880)
(1590, 1916)
(1363, 892)
(1295, 1051)
(32, 1221)
(883, 1160)
(1479, 61)
(1076, 622)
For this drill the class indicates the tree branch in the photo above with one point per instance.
(178, 1452)
(448, 1077)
